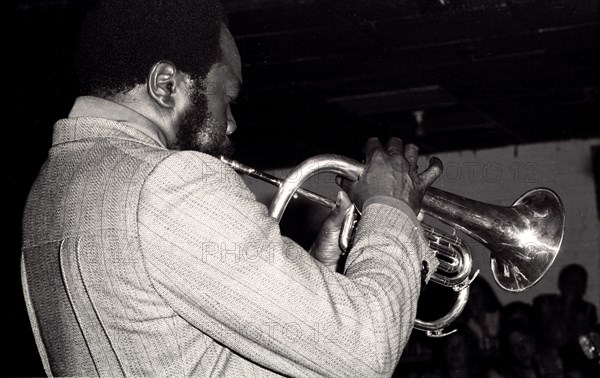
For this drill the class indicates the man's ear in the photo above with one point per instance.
(163, 84)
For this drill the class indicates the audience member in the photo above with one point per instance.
(552, 340)
(519, 353)
(517, 313)
(482, 317)
(568, 311)
(578, 314)
(457, 356)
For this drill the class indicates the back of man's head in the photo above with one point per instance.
(121, 40)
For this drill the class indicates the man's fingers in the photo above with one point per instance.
(411, 153)
(372, 145)
(394, 146)
(432, 172)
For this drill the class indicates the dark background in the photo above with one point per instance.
(322, 76)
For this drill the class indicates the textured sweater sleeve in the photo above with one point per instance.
(218, 259)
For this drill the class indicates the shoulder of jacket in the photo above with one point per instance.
(188, 166)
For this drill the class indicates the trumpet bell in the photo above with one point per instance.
(523, 239)
(526, 248)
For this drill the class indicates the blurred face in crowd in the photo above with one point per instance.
(522, 348)
(456, 351)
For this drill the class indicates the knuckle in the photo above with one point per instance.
(399, 163)
(378, 155)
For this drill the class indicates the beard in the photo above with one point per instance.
(200, 131)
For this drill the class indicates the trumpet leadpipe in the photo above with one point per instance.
(276, 181)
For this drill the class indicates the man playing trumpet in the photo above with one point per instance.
(144, 254)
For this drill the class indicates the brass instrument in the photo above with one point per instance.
(523, 239)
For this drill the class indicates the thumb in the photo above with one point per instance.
(342, 204)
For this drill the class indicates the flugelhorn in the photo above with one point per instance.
(523, 239)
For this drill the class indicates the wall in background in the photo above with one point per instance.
(499, 176)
